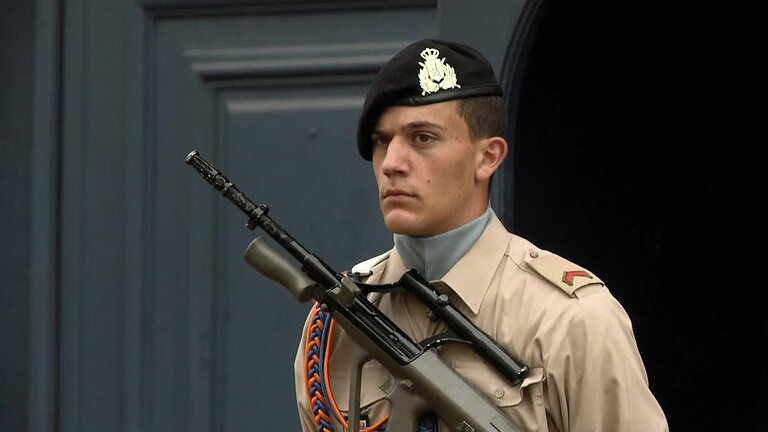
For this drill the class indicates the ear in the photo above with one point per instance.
(491, 154)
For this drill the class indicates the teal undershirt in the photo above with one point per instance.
(434, 256)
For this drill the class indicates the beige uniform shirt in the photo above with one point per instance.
(585, 374)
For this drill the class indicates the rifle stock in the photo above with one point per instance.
(422, 381)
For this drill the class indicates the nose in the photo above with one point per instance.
(395, 158)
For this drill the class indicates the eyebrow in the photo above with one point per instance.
(422, 124)
(418, 124)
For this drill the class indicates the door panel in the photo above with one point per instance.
(272, 101)
(285, 145)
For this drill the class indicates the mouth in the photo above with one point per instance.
(395, 194)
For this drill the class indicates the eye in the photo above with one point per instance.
(424, 138)
(379, 140)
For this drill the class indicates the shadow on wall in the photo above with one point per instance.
(636, 157)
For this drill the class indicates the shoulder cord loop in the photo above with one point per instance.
(318, 343)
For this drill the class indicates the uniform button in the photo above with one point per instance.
(533, 254)
(499, 393)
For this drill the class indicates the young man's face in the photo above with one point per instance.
(425, 166)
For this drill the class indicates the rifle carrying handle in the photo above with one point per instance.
(271, 264)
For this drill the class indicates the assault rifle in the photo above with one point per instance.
(423, 382)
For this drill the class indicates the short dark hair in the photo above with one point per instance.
(484, 115)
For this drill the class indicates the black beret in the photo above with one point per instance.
(425, 72)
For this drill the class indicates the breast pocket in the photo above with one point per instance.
(524, 403)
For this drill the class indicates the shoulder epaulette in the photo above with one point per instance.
(365, 268)
(564, 274)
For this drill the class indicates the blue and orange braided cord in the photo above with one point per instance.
(319, 321)
(318, 343)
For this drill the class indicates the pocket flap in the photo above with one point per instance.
(493, 385)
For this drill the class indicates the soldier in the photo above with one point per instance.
(432, 126)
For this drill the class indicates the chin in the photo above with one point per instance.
(402, 225)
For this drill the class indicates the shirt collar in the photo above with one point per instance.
(471, 277)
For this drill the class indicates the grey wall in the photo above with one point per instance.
(16, 95)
